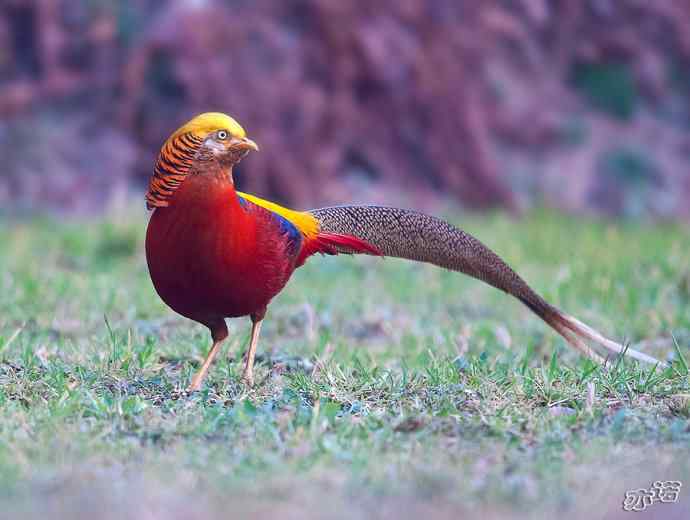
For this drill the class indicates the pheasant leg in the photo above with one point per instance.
(248, 374)
(219, 332)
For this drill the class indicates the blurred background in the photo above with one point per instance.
(577, 105)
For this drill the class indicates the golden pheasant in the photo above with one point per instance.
(216, 253)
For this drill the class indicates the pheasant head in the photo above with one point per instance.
(209, 136)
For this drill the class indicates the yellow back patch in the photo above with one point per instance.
(305, 222)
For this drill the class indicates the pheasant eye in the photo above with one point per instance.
(222, 135)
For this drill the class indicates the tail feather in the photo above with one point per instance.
(415, 236)
(334, 243)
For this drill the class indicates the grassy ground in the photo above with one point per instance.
(387, 389)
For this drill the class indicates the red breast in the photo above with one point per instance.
(211, 258)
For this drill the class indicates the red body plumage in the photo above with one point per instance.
(212, 255)
(211, 258)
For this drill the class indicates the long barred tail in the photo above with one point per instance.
(415, 236)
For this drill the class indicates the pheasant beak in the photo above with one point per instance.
(244, 145)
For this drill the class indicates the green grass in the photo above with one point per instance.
(385, 388)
